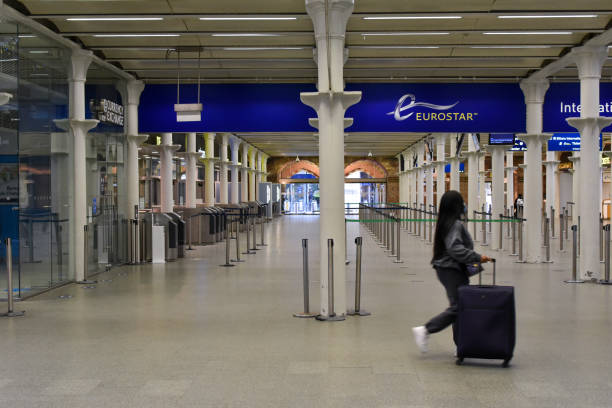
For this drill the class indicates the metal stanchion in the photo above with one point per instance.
(601, 240)
(501, 233)
(398, 259)
(85, 280)
(513, 226)
(552, 222)
(561, 228)
(387, 235)
(392, 231)
(430, 227)
(357, 311)
(574, 278)
(346, 260)
(263, 232)
(547, 239)
(565, 225)
(228, 240)
(248, 237)
(578, 235)
(9, 279)
(419, 222)
(606, 279)
(508, 213)
(474, 220)
(237, 223)
(484, 229)
(305, 283)
(331, 315)
(520, 241)
(254, 230)
(190, 232)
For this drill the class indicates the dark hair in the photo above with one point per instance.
(451, 208)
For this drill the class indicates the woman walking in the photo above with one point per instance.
(453, 250)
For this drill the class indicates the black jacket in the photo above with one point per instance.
(459, 249)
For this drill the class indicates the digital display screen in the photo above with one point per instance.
(501, 139)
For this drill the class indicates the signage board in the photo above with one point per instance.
(9, 182)
(562, 101)
(107, 111)
(447, 168)
(519, 146)
(567, 142)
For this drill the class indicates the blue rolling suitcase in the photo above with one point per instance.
(486, 322)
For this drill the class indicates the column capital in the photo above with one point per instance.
(595, 124)
(511, 168)
(317, 99)
(492, 148)
(130, 90)
(78, 65)
(225, 137)
(339, 13)
(534, 90)
(551, 162)
(532, 137)
(84, 125)
(574, 159)
(589, 60)
(314, 122)
(138, 139)
(235, 142)
(440, 138)
(209, 136)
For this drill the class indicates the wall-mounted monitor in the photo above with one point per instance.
(501, 139)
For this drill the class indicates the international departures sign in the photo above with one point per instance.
(392, 107)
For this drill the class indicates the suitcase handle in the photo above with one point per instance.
(494, 263)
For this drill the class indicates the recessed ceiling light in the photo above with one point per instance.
(263, 18)
(136, 35)
(38, 51)
(261, 48)
(114, 19)
(26, 36)
(528, 33)
(406, 33)
(511, 46)
(553, 16)
(246, 35)
(399, 47)
(412, 18)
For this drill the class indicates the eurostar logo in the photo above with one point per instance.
(400, 107)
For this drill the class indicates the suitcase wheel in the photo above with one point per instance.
(506, 363)
(459, 361)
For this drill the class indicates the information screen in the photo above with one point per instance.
(501, 139)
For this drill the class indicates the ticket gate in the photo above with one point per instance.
(171, 235)
(240, 210)
(180, 231)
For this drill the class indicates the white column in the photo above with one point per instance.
(77, 126)
(510, 179)
(473, 162)
(191, 176)
(441, 164)
(575, 171)
(130, 96)
(455, 165)
(406, 179)
(264, 167)
(401, 175)
(429, 170)
(223, 162)
(259, 172)
(482, 176)
(534, 98)
(497, 190)
(329, 20)
(244, 183)
(234, 147)
(252, 163)
(589, 61)
(166, 153)
(209, 170)
(551, 164)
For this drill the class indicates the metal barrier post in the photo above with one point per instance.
(521, 241)
(387, 235)
(501, 233)
(561, 228)
(484, 229)
(331, 315)
(552, 222)
(431, 227)
(574, 278)
(397, 251)
(85, 280)
(248, 237)
(357, 311)
(606, 279)
(254, 229)
(601, 240)
(578, 235)
(305, 283)
(392, 231)
(263, 231)
(566, 223)
(419, 222)
(9, 279)
(547, 239)
(346, 260)
(228, 240)
(474, 220)
(190, 232)
(513, 238)
(237, 223)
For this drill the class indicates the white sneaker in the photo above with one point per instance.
(420, 338)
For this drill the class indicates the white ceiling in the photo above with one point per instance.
(463, 53)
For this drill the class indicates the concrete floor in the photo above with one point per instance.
(192, 334)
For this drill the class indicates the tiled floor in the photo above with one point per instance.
(192, 334)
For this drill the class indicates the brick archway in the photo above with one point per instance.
(372, 167)
(291, 168)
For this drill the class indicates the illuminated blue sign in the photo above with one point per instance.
(567, 142)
